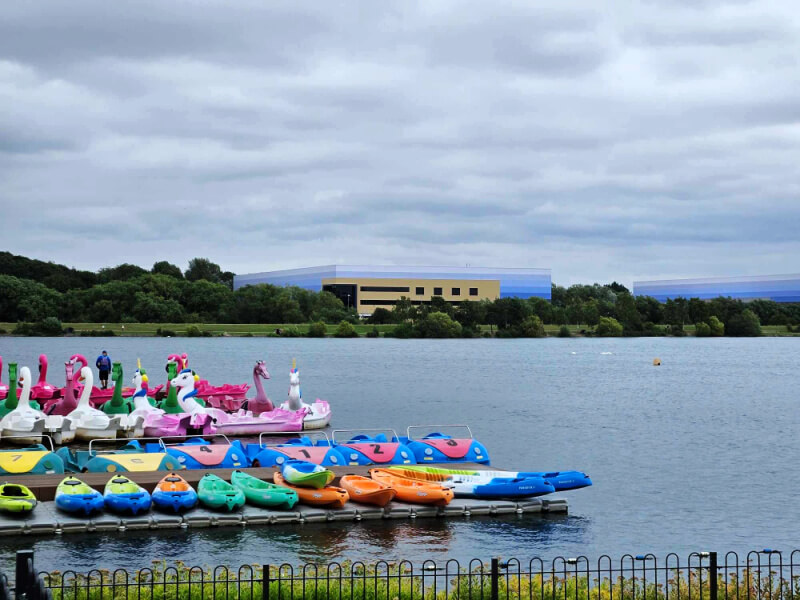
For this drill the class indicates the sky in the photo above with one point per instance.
(616, 140)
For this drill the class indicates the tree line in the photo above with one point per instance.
(32, 291)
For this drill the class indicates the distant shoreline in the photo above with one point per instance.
(290, 330)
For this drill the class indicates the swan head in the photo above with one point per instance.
(186, 378)
(261, 369)
(24, 377)
(85, 374)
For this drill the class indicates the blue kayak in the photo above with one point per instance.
(561, 480)
(74, 496)
(173, 493)
(125, 496)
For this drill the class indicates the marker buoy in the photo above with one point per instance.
(656, 362)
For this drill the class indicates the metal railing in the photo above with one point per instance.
(762, 575)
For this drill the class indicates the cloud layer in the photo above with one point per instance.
(607, 141)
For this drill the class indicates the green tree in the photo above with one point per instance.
(608, 327)
(472, 313)
(345, 330)
(404, 310)
(627, 314)
(203, 268)
(149, 308)
(26, 300)
(206, 299)
(327, 307)
(702, 329)
(564, 332)
(122, 272)
(438, 325)
(164, 267)
(745, 324)
(531, 326)
(381, 316)
(716, 327)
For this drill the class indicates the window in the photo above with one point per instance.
(456, 291)
(473, 291)
(377, 302)
(437, 291)
(420, 291)
(383, 288)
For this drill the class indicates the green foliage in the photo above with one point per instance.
(195, 331)
(745, 324)
(373, 333)
(122, 272)
(345, 330)
(716, 326)
(164, 267)
(48, 327)
(203, 268)
(608, 327)
(702, 329)
(98, 333)
(403, 331)
(290, 332)
(381, 316)
(317, 330)
(564, 332)
(51, 275)
(26, 300)
(165, 332)
(531, 327)
(438, 325)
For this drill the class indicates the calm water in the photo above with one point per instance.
(700, 453)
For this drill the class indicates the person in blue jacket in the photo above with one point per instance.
(103, 364)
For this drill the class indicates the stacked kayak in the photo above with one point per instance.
(479, 484)
(218, 494)
(262, 493)
(367, 491)
(414, 490)
(173, 493)
(121, 495)
(306, 474)
(15, 498)
(560, 480)
(74, 496)
(328, 496)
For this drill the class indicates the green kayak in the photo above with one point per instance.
(17, 498)
(216, 493)
(262, 493)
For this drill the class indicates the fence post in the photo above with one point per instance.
(24, 574)
(265, 582)
(712, 576)
(495, 574)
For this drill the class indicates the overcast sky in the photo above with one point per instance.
(605, 140)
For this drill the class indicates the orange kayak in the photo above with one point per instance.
(366, 490)
(410, 490)
(329, 496)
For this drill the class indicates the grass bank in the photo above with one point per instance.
(271, 329)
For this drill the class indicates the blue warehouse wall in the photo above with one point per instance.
(780, 288)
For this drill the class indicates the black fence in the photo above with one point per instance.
(762, 575)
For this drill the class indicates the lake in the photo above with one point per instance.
(697, 454)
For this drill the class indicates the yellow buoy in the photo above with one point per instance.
(656, 362)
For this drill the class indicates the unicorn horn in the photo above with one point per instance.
(139, 363)
(294, 364)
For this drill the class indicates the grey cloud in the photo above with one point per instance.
(630, 140)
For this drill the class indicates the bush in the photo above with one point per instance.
(564, 332)
(469, 332)
(702, 329)
(676, 329)
(346, 330)
(194, 331)
(745, 324)
(717, 327)
(531, 327)
(165, 332)
(608, 327)
(98, 333)
(788, 328)
(403, 331)
(438, 325)
(49, 327)
(374, 332)
(291, 332)
(317, 330)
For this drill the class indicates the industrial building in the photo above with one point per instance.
(780, 288)
(368, 287)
